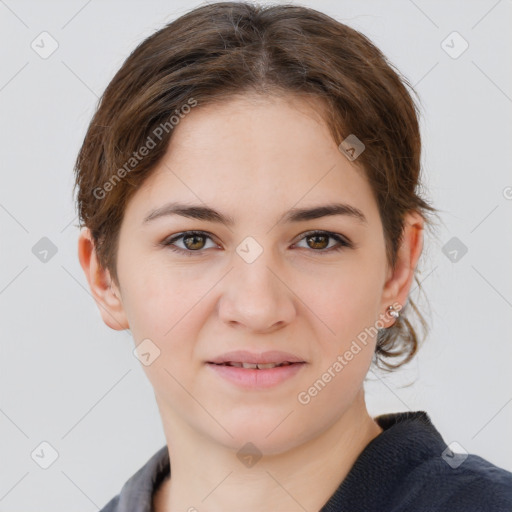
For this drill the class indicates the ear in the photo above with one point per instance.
(103, 289)
(399, 279)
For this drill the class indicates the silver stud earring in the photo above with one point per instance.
(393, 312)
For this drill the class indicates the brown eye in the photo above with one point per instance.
(318, 241)
(194, 242)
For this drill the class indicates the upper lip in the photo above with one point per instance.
(243, 356)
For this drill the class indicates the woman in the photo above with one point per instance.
(248, 190)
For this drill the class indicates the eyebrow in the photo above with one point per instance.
(294, 215)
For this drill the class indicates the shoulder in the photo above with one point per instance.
(410, 468)
(138, 491)
(112, 505)
(458, 483)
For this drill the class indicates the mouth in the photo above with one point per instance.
(255, 366)
(250, 371)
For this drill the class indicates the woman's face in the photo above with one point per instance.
(259, 283)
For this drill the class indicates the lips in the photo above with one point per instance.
(255, 366)
(254, 372)
(251, 360)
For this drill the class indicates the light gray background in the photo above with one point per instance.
(69, 380)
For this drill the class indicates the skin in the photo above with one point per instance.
(254, 158)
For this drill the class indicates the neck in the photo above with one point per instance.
(206, 475)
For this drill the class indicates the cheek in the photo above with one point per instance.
(336, 380)
(350, 309)
(345, 356)
(347, 302)
(159, 301)
(164, 307)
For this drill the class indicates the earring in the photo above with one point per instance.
(391, 310)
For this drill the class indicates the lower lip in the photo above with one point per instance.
(249, 378)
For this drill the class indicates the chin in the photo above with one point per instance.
(269, 434)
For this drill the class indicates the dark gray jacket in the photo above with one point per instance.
(406, 468)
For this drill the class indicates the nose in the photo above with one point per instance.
(256, 296)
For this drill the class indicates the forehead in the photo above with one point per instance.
(257, 154)
(254, 123)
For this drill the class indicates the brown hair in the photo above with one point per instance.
(229, 48)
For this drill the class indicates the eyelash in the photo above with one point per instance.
(342, 242)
